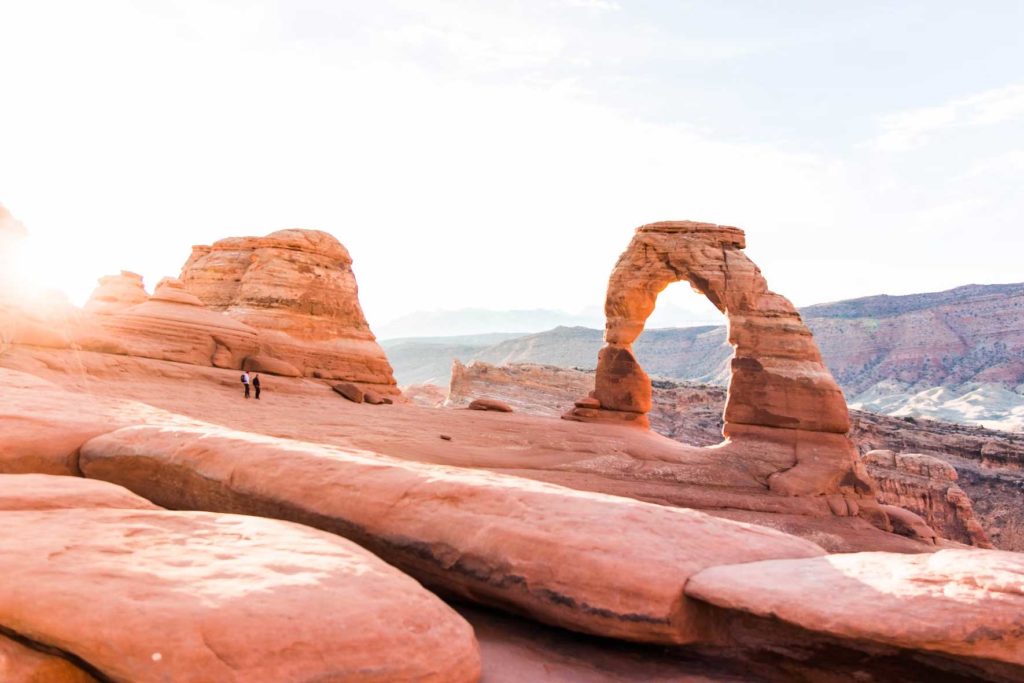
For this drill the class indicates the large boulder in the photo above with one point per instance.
(585, 561)
(967, 603)
(297, 287)
(153, 596)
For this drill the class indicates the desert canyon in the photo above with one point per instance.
(532, 523)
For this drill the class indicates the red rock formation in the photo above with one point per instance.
(153, 595)
(297, 287)
(964, 603)
(21, 664)
(51, 492)
(692, 414)
(926, 486)
(780, 392)
(172, 325)
(116, 293)
(586, 561)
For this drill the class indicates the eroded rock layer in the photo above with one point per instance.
(590, 562)
(297, 287)
(966, 603)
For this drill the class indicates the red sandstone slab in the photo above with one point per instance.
(585, 561)
(968, 603)
(155, 596)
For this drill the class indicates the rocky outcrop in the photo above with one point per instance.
(152, 596)
(297, 287)
(688, 413)
(116, 293)
(172, 325)
(780, 392)
(692, 414)
(586, 561)
(963, 603)
(928, 487)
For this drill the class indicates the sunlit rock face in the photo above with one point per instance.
(116, 293)
(297, 287)
(780, 392)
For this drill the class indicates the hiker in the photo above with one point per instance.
(245, 382)
(256, 384)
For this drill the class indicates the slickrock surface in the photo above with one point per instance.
(592, 457)
(50, 492)
(780, 390)
(590, 562)
(688, 413)
(968, 603)
(693, 414)
(21, 664)
(298, 288)
(226, 598)
(927, 486)
(117, 292)
(43, 425)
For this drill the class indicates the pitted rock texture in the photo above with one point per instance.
(779, 383)
(297, 287)
(965, 603)
(149, 596)
(586, 561)
(116, 293)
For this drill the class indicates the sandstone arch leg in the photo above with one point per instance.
(780, 392)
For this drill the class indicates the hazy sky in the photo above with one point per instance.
(498, 155)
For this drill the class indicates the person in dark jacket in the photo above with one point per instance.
(256, 384)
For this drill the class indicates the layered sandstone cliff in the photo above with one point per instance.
(297, 287)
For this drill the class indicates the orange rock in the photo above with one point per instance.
(490, 404)
(269, 365)
(21, 664)
(151, 596)
(586, 561)
(966, 603)
(297, 287)
(173, 325)
(778, 379)
(48, 492)
(349, 391)
(117, 292)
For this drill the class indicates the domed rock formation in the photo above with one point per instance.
(780, 392)
(116, 293)
(297, 287)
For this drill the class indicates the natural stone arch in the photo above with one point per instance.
(780, 390)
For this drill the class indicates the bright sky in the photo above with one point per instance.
(498, 155)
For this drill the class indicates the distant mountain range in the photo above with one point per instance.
(955, 355)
